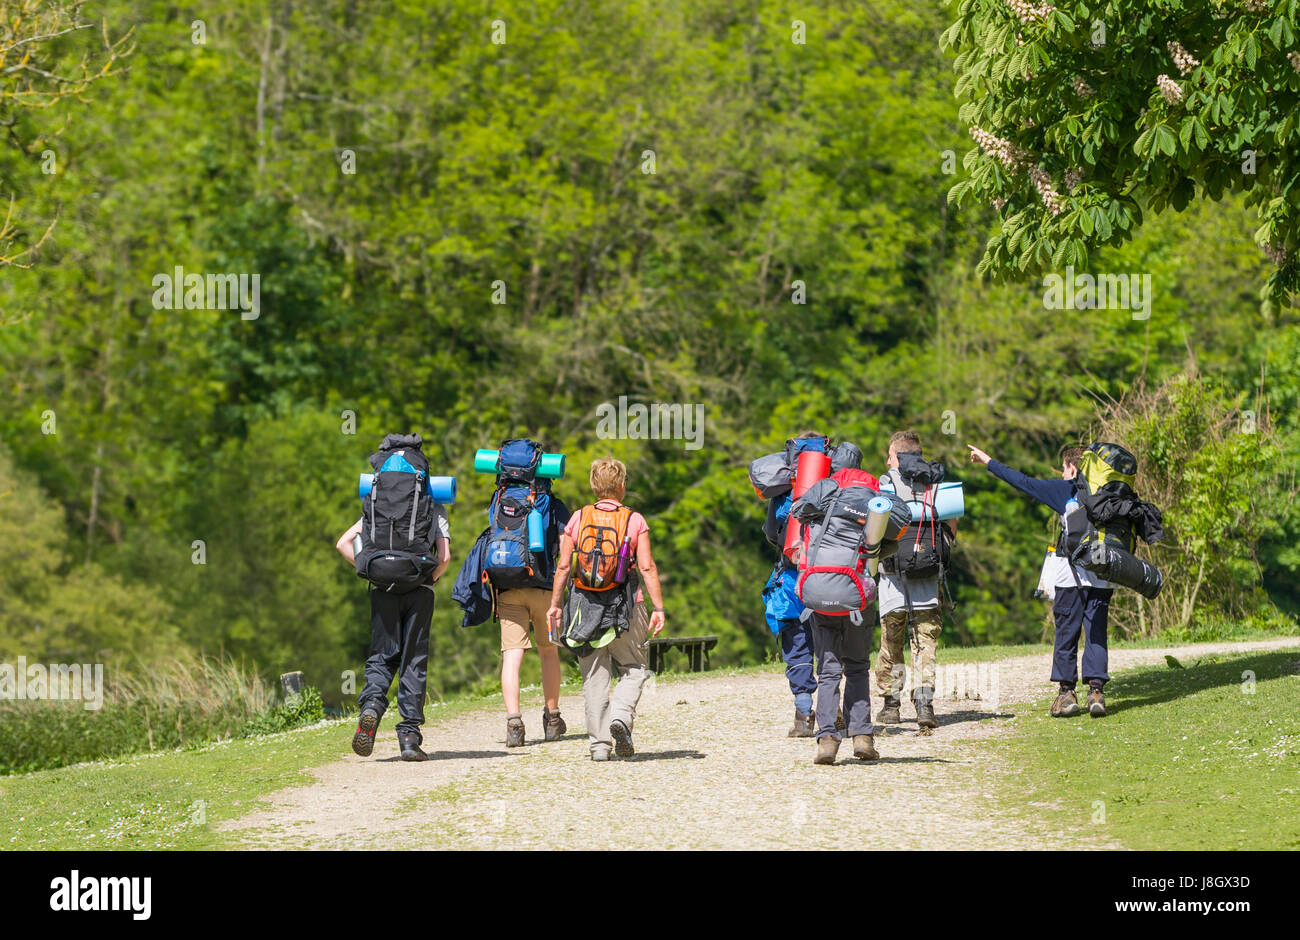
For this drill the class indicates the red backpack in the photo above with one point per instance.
(832, 578)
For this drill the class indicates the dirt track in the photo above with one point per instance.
(713, 770)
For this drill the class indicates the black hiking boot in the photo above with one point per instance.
(622, 736)
(889, 715)
(923, 697)
(363, 741)
(514, 731)
(410, 742)
(553, 725)
(803, 726)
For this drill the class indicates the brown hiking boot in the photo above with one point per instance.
(803, 726)
(553, 725)
(514, 731)
(827, 748)
(1066, 705)
(864, 747)
(889, 715)
(1096, 702)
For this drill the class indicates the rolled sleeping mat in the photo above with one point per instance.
(441, 490)
(551, 466)
(889, 517)
(813, 467)
(949, 501)
(1123, 568)
(877, 520)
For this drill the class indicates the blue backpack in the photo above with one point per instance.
(508, 560)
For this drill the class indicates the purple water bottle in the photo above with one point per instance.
(624, 560)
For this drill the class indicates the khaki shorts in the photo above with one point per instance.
(516, 609)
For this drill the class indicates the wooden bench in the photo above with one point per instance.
(696, 649)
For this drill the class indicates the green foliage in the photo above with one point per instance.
(305, 708)
(170, 704)
(1211, 471)
(1089, 115)
(779, 167)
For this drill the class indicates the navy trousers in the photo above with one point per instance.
(1083, 611)
(797, 651)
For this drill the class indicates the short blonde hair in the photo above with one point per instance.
(608, 478)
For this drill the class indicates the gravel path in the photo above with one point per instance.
(713, 771)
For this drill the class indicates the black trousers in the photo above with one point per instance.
(399, 646)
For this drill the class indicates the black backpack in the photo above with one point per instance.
(397, 522)
(925, 549)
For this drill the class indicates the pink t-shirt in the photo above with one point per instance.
(636, 523)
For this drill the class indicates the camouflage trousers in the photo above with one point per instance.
(891, 673)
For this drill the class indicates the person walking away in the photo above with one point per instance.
(606, 549)
(910, 598)
(401, 545)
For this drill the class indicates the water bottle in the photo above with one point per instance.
(536, 532)
(624, 560)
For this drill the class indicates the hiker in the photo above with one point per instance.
(781, 606)
(837, 595)
(401, 545)
(911, 605)
(1082, 599)
(519, 577)
(605, 546)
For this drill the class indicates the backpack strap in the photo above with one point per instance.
(415, 508)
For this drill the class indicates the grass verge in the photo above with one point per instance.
(1199, 757)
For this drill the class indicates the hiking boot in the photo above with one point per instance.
(514, 731)
(827, 748)
(803, 726)
(924, 710)
(363, 742)
(1096, 702)
(1066, 704)
(889, 715)
(410, 742)
(839, 720)
(622, 736)
(864, 747)
(553, 724)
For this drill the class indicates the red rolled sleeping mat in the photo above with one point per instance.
(812, 467)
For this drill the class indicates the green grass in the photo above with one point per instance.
(1184, 759)
(173, 799)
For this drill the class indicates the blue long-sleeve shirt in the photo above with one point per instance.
(1053, 493)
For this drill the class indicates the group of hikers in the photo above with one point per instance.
(588, 581)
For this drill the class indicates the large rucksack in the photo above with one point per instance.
(1113, 519)
(832, 570)
(397, 523)
(925, 551)
(509, 562)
